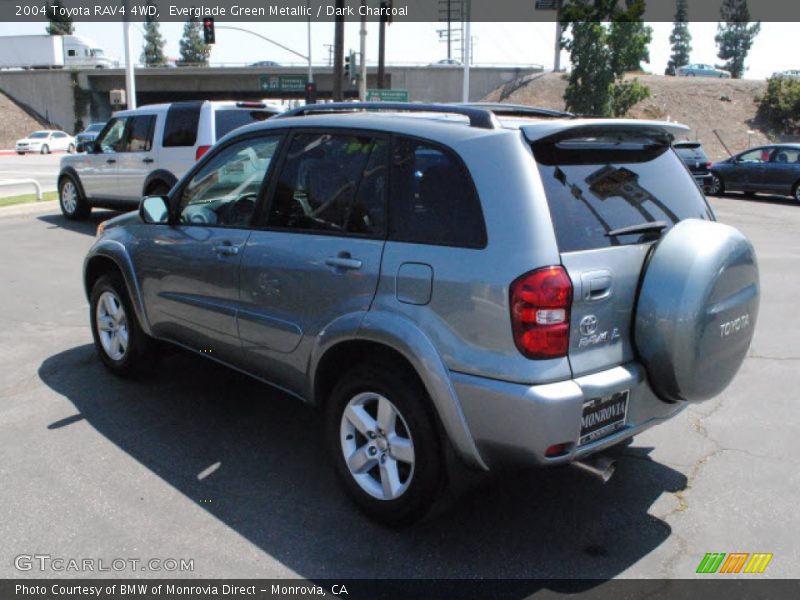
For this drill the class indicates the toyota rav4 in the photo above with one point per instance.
(523, 288)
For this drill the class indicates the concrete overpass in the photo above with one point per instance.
(54, 94)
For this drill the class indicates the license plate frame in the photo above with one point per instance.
(612, 416)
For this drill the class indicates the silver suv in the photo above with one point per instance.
(145, 151)
(525, 291)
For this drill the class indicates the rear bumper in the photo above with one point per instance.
(514, 424)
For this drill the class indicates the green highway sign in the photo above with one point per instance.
(283, 83)
(387, 95)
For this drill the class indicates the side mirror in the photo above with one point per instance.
(84, 147)
(154, 209)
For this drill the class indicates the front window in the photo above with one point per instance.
(225, 190)
(39, 135)
(113, 137)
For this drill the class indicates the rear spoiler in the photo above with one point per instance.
(545, 129)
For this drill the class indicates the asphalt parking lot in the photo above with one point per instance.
(41, 167)
(199, 462)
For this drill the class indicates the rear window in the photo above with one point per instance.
(691, 151)
(181, 126)
(601, 181)
(228, 119)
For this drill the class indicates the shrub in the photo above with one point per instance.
(779, 108)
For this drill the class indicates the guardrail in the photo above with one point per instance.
(16, 182)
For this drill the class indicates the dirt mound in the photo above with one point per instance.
(15, 123)
(724, 106)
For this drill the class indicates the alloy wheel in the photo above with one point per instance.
(112, 326)
(69, 197)
(377, 446)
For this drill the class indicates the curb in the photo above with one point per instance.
(29, 208)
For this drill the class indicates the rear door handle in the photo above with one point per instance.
(147, 160)
(226, 249)
(343, 262)
(596, 285)
(111, 161)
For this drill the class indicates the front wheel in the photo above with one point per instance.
(20, 153)
(796, 192)
(73, 205)
(45, 149)
(384, 444)
(118, 338)
(717, 186)
(71, 148)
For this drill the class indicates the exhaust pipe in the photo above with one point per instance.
(600, 466)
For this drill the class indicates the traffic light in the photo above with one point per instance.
(208, 30)
(311, 92)
(350, 67)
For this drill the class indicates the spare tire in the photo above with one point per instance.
(696, 310)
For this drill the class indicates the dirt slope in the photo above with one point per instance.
(725, 105)
(15, 123)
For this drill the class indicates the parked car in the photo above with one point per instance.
(506, 287)
(45, 142)
(701, 70)
(146, 150)
(792, 73)
(88, 135)
(694, 157)
(771, 169)
(265, 63)
(447, 62)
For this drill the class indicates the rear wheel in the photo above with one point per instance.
(384, 443)
(796, 192)
(158, 189)
(21, 153)
(71, 148)
(73, 204)
(717, 186)
(118, 338)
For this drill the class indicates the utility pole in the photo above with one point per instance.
(467, 52)
(382, 47)
(338, 52)
(362, 80)
(559, 34)
(310, 68)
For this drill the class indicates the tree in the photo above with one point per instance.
(194, 51)
(59, 24)
(680, 38)
(735, 36)
(154, 42)
(601, 54)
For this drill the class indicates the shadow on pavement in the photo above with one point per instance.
(758, 198)
(87, 226)
(274, 486)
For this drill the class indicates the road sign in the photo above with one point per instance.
(387, 96)
(283, 83)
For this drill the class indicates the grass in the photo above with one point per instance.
(24, 198)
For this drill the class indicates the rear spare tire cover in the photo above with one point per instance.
(697, 310)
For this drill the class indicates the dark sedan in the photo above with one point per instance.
(767, 169)
(696, 160)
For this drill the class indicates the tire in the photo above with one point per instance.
(118, 338)
(690, 75)
(70, 198)
(45, 149)
(796, 192)
(158, 189)
(21, 153)
(397, 489)
(717, 186)
(71, 148)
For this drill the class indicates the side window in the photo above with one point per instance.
(140, 137)
(332, 182)
(59, 135)
(755, 156)
(432, 198)
(181, 126)
(225, 190)
(112, 138)
(70, 52)
(785, 155)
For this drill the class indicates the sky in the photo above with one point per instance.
(418, 43)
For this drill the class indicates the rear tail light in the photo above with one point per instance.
(708, 165)
(540, 303)
(200, 151)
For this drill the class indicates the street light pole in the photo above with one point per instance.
(130, 79)
(468, 54)
(362, 81)
(310, 70)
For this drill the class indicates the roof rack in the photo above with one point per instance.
(478, 117)
(519, 110)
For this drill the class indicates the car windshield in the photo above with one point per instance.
(38, 135)
(95, 128)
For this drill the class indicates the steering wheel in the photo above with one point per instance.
(240, 211)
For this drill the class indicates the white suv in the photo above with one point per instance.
(145, 151)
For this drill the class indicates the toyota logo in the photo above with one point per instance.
(588, 325)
